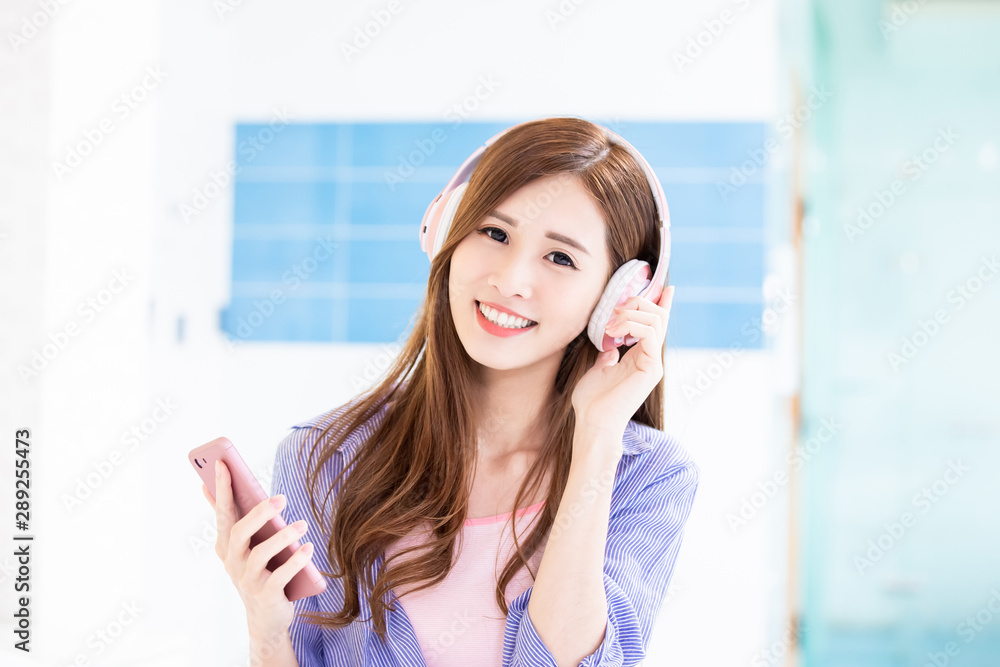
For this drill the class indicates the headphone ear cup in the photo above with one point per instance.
(629, 280)
(440, 221)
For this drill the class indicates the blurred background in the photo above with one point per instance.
(208, 226)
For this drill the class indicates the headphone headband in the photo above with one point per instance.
(465, 171)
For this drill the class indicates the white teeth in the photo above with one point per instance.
(503, 319)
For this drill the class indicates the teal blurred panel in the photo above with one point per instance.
(900, 526)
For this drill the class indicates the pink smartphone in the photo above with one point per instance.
(247, 494)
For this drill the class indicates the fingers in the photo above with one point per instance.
(667, 298)
(634, 328)
(646, 322)
(641, 317)
(261, 554)
(284, 573)
(208, 496)
(641, 304)
(643, 326)
(245, 528)
(225, 511)
(643, 311)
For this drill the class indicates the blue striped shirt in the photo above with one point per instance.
(654, 488)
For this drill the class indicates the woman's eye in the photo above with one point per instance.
(562, 254)
(486, 232)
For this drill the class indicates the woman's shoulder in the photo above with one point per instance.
(649, 447)
(654, 468)
(327, 417)
(297, 456)
(306, 432)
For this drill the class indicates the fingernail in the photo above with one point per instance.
(218, 468)
(301, 526)
(277, 501)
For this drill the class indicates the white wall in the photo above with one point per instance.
(137, 537)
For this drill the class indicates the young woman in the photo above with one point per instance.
(501, 412)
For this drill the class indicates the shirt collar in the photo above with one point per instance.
(638, 438)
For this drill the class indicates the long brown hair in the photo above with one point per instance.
(417, 465)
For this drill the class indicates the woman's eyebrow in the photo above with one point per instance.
(555, 236)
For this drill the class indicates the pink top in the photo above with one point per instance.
(458, 622)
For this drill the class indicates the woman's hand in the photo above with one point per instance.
(269, 612)
(611, 392)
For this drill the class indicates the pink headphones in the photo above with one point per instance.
(631, 279)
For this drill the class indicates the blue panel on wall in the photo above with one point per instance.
(292, 202)
(280, 260)
(364, 187)
(694, 145)
(288, 319)
(292, 144)
(716, 264)
(715, 325)
(403, 203)
(388, 262)
(419, 144)
(700, 205)
(379, 320)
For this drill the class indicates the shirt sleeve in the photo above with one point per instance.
(644, 538)
(288, 480)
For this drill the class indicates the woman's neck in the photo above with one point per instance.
(511, 407)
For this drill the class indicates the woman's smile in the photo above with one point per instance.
(503, 331)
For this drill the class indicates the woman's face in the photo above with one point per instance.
(511, 261)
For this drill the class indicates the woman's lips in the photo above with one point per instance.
(501, 309)
(496, 329)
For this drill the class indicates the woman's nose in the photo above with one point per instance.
(513, 275)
